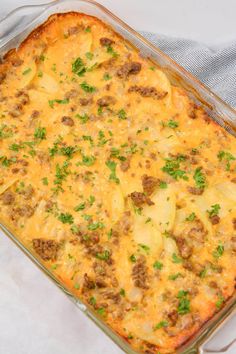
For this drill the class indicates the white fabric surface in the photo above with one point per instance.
(35, 317)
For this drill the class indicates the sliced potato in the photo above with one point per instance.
(162, 212)
(117, 203)
(228, 189)
(28, 71)
(47, 83)
(147, 234)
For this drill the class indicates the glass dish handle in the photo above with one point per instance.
(17, 19)
(224, 341)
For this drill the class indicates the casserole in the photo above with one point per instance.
(212, 104)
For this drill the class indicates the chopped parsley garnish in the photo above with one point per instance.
(218, 252)
(78, 67)
(191, 217)
(91, 200)
(106, 77)
(176, 259)
(26, 71)
(214, 210)
(159, 325)
(163, 185)
(74, 229)
(122, 292)
(6, 162)
(101, 311)
(227, 157)
(83, 118)
(174, 276)
(96, 225)
(64, 101)
(76, 286)
(87, 88)
(199, 178)
(87, 29)
(220, 301)
(88, 160)
(16, 147)
(184, 303)
(79, 207)
(112, 166)
(40, 133)
(45, 181)
(172, 167)
(100, 110)
(88, 138)
(61, 174)
(144, 247)
(66, 218)
(122, 114)
(109, 234)
(92, 300)
(89, 55)
(103, 256)
(5, 132)
(132, 258)
(172, 124)
(111, 51)
(158, 265)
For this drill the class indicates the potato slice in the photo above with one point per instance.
(28, 71)
(162, 212)
(228, 189)
(147, 234)
(117, 203)
(47, 83)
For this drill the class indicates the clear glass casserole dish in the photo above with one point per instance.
(15, 28)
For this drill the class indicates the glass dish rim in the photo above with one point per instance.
(212, 325)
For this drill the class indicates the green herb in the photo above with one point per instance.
(103, 256)
(132, 258)
(5, 161)
(40, 133)
(101, 138)
(172, 124)
(199, 178)
(79, 207)
(111, 51)
(91, 200)
(87, 29)
(92, 300)
(144, 247)
(176, 259)
(152, 68)
(148, 220)
(106, 77)
(122, 292)
(203, 273)
(184, 303)
(74, 229)
(83, 118)
(158, 265)
(220, 301)
(100, 110)
(191, 217)
(54, 266)
(88, 138)
(172, 167)
(87, 88)
(95, 225)
(40, 74)
(101, 311)
(109, 234)
(88, 160)
(27, 71)
(89, 55)
(16, 147)
(112, 166)
(67, 151)
(78, 67)
(163, 185)
(214, 210)
(227, 157)
(159, 325)
(5, 132)
(64, 101)
(175, 276)
(66, 218)
(42, 57)
(61, 174)
(219, 251)
(122, 114)
(45, 181)
(76, 286)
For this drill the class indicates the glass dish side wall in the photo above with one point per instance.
(15, 28)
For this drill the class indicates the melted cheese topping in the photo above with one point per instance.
(117, 181)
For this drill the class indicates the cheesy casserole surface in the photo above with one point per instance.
(121, 185)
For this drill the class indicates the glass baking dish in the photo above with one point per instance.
(14, 29)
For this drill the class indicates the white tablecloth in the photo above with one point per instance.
(35, 317)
